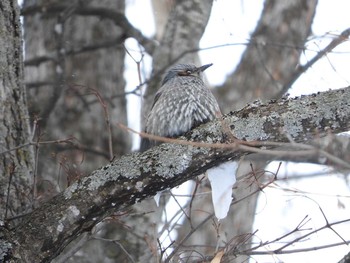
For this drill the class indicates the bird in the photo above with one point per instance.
(182, 103)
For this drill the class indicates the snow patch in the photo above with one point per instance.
(222, 178)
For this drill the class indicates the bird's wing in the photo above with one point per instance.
(145, 142)
(156, 98)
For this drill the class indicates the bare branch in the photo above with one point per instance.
(302, 69)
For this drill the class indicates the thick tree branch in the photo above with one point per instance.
(133, 178)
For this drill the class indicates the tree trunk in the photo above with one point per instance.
(17, 159)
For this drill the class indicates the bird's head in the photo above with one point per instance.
(185, 70)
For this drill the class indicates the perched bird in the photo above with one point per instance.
(182, 103)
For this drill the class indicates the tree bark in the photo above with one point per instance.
(135, 177)
(16, 166)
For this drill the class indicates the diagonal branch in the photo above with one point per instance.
(135, 177)
(302, 69)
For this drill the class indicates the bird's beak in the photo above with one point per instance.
(204, 67)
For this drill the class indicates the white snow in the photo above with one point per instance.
(222, 178)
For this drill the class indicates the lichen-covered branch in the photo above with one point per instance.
(135, 177)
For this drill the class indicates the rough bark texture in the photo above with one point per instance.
(16, 167)
(135, 177)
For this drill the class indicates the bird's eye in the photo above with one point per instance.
(186, 72)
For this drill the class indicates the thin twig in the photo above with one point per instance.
(292, 251)
(327, 223)
(108, 122)
(249, 146)
(277, 251)
(301, 69)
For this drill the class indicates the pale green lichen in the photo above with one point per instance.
(111, 172)
(251, 128)
(292, 126)
(177, 162)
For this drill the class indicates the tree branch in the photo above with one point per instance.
(302, 69)
(103, 13)
(270, 57)
(135, 177)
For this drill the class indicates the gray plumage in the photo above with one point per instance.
(182, 103)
